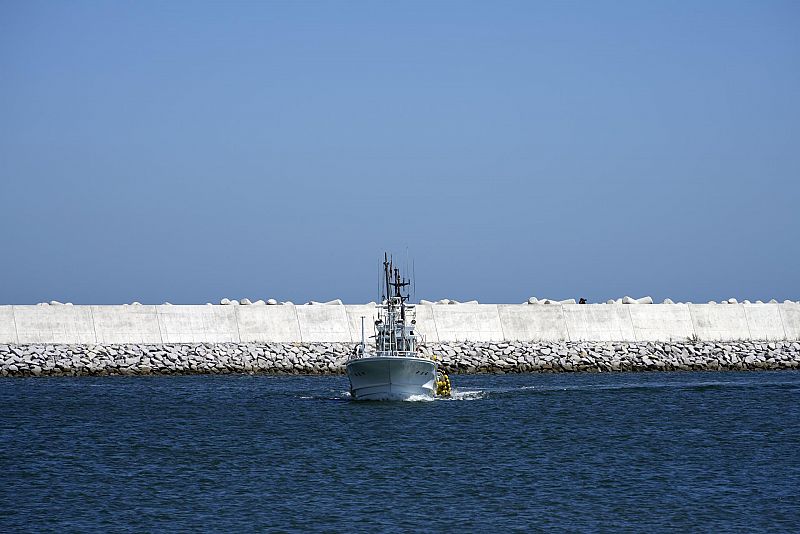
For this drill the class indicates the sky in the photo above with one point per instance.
(189, 151)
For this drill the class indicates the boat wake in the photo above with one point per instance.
(419, 398)
(457, 395)
(465, 395)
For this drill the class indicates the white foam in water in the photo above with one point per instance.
(466, 394)
(419, 398)
(460, 395)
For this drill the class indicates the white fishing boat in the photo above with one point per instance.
(395, 370)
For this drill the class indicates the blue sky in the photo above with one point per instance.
(188, 151)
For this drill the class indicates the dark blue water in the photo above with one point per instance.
(582, 452)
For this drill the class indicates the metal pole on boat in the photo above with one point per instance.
(363, 348)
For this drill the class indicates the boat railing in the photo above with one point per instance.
(403, 353)
(357, 354)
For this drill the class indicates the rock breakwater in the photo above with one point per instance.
(330, 358)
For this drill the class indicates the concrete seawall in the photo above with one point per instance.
(168, 324)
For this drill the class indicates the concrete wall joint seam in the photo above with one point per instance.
(94, 326)
(14, 317)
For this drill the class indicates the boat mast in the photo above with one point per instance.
(387, 268)
(394, 298)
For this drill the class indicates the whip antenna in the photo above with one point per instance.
(413, 280)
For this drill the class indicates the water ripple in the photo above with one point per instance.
(578, 452)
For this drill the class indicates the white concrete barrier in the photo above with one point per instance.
(764, 321)
(719, 322)
(323, 323)
(474, 322)
(790, 316)
(126, 324)
(54, 324)
(267, 323)
(598, 322)
(661, 322)
(8, 328)
(197, 324)
(532, 323)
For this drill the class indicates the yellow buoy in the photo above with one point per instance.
(443, 385)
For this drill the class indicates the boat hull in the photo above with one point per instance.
(391, 378)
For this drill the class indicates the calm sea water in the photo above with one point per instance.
(581, 452)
